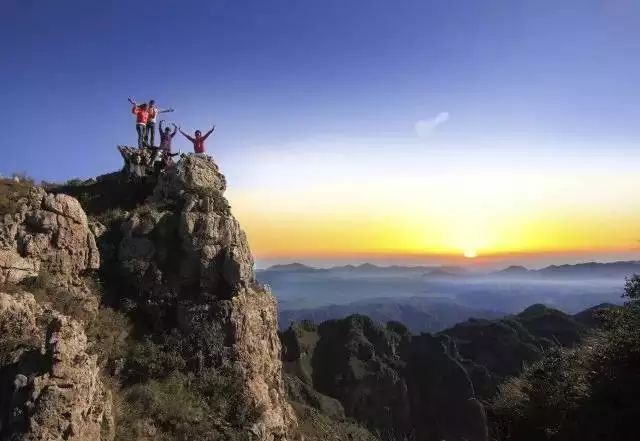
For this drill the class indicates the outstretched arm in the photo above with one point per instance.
(186, 136)
(206, 135)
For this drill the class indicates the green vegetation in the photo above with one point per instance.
(587, 393)
(184, 406)
(108, 333)
(11, 192)
(316, 426)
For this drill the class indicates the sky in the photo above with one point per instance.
(352, 130)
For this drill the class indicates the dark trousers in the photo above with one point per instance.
(151, 131)
(142, 134)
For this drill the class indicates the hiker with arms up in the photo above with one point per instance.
(142, 117)
(165, 143)
(198, 141)
(166, 136)
(151, 123)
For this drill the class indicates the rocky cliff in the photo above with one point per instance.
(401, 386)
(188, 265)
(420, 387)
(51, 386)
(160, 250)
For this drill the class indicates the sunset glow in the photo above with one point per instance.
(470, 254)
(440, 205)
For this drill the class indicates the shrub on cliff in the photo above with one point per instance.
(588, 393)
(11, 192)
(185, 406)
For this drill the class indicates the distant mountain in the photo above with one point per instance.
(513, 270)
(588, 270)
(368, 268)
(293, 268)
(593, 269)
(418, 314)
(446, 271)
(593, 317)
(496, 349)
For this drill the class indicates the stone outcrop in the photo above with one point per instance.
(48, 232)
(48, 235)
(441, 395)
(187, 263)
(404, 386)
(52, 388)
(494, 350)
(141, 163)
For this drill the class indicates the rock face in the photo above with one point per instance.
(46, 232)
(404, 386)
(189, 264)
(51, 387)
(496, 349)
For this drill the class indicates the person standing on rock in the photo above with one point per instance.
(165, 142)
(151, 122)
(142, 117)
(166, 136)
(198, 141)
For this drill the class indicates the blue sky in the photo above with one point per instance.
(506, 85)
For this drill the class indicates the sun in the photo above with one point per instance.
(470, 253)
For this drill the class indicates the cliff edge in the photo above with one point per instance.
(132, 311)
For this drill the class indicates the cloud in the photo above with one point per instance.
(426, 127)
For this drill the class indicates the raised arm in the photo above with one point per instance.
(206, 135)
(186, 136)
(131, 101)
(175, 129)
(160, 125)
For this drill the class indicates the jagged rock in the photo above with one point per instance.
(441, 395)
(14, 267)
(300, 392)
(188, 264)
(256, 351)
(196, 174)
(51, 388)
(404, 386)
(138, 162)
(48, 232)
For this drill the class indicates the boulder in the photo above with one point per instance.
(48, 232)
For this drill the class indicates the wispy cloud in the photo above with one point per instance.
(426, 127)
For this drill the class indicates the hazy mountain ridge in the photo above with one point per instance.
(320, 294)
(584, 269)
(418, 314)
(378, 372)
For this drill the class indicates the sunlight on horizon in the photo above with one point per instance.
(436, 204)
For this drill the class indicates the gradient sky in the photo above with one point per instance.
(355, 130)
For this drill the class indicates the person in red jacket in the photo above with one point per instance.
(198, 141)
(142, 117)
